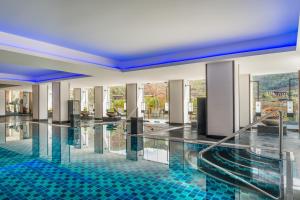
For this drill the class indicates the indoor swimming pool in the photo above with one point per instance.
(41, 161)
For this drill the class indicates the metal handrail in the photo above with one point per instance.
(243, 130)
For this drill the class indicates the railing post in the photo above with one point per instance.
(280, 133)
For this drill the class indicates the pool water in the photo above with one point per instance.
(39, 161)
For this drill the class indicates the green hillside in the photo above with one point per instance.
(275, 81)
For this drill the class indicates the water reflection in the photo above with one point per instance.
(61, 144)
(156, 150)
(60, 147)
(89, 146)
(99, 140)
(2, 133)
(16, 131)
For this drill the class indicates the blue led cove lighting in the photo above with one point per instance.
(129, 68)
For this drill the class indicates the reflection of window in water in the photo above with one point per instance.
(77, 139)
(26, 133)
(116, 140)
(156, 150)
(81, 137)
(84, 137)
(17, 132)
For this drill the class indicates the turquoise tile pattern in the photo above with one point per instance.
(80, 173)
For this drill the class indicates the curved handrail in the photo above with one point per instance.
(243, 130)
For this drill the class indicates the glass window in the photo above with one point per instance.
(117, 98)
(198, 89)
(155, 97)
(276, 92)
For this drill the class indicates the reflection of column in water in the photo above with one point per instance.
(134, 144)
(43, 134)
(176, 155)
(2, 133)
(98, 139)
(19, 130)
(84, 137)
(65, 148)
(49, 152)
(24, 129)
(35, 140)
(106, 139)
(56, 144)
(60, 147)
(9, 132)
(74, 137)
(29, 129)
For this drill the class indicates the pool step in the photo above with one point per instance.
(243, 153)
(236, 157)
(248, 171)
(263, 173)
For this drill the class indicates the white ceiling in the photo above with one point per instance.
(136, 28)
(255, 65)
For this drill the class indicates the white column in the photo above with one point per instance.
(77, 94)
(60, 97)
(40, 102)
(134, 99)
(98, 139)
(2, 102)
(140, 99)
(299, 101)
(106, 99)
(43, 139)
(178, 101)
(222, 86)
(60, 147)
(186, 101)
(245, 100)
(101, 98)
(65, 148)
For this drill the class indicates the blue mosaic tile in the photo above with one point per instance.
(69, 172)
